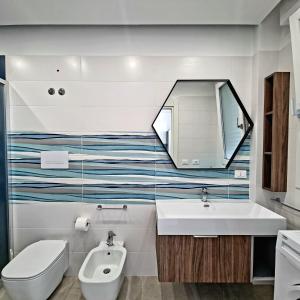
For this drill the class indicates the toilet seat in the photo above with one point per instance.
(34, 260)
(37, 270)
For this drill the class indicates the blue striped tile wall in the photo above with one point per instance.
(113, 168)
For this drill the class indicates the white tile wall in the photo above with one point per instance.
(102, 94)
(128, 40)
(46, 118)
(107, 93)
(155, 68)
(274, 54)
(118, 119)
(28, 68)
(269, 62)
(136, 227)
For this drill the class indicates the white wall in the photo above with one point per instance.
(102, 94)
(265, 62)
(274, 54)
(138, 12)
(107, 93)
(136, 226)
(122, 40)
(120, 89)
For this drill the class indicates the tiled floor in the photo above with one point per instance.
(148, 288)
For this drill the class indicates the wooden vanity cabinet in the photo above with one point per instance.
(219, 259)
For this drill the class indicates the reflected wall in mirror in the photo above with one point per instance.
(202, 124)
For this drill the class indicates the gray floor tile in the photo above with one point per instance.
(3, 295)
(149, 288)
(209, 291)
(132, 290)
(76, 283)
(63, 289)
(124, 290)
(180, 291)
(74, 294)
(263, 292)
(166, 290)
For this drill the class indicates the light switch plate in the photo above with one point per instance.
(54, 159)
(240, 174)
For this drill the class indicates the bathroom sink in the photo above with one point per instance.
(192, 217)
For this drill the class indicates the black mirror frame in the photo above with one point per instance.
(238, 100)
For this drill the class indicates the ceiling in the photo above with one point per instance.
(134, 12)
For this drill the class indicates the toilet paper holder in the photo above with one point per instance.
(101, 207)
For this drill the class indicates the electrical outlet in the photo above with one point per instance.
(196, 162)
(185, 162)
(240, 174)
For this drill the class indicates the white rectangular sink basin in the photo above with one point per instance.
(190, 217)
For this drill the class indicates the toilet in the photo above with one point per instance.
(101, 274)
(37, 270)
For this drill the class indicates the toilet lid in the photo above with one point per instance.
(34, 259)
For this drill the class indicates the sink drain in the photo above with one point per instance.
(106, 271)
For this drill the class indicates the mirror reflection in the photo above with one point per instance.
(202, 124)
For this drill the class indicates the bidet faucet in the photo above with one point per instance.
(110, 238)
(204, 194)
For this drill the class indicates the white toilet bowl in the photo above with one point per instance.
(101, 274)
(37, 270)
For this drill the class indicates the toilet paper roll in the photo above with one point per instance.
(82, 224)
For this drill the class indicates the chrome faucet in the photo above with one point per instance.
(110, 238)
(204, 194)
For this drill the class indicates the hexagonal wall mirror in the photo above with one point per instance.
(202, 124)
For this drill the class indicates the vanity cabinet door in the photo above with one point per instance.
(205, 259)
(187, 259)
(223, 259)
(172, 253)
(234, 259)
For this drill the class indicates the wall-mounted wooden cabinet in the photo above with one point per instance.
(276, 119)
(220, 259)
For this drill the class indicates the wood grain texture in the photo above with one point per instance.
(225, 259)
(276, 124)
(205, 260)
(235, 259)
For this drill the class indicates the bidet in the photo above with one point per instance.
(101, 274)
